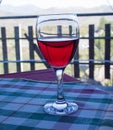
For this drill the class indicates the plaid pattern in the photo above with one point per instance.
(21, 106)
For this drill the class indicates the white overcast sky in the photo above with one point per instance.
(58, 3)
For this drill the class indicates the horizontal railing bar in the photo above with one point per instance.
(35, 16)
(93, 61)
(10, 38)
(96, 38)
(23, 61)
(95, 14)
(72, 62)
(19, 17)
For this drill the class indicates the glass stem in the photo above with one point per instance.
(60, 94)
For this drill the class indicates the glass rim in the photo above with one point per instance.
(62, 16)
(57, 14)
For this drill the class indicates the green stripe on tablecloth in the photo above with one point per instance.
(29, 115)
(30, 128)
(107, 122)
(17, 94)
(13, 94)
(97, 100)
(5, 112)
(23, 94)
(63, 119)
(15, 127)
(81, 120)
(8, 127)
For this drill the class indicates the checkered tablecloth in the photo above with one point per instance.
(21, 106)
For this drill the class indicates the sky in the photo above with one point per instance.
(58, 3)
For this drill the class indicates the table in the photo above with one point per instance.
(38, 75)
(22, 100)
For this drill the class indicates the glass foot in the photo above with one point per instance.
(60, 109)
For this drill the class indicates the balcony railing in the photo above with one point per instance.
(30, 40)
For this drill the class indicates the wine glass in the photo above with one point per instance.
(57, 38)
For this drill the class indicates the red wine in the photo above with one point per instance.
(58, 53)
